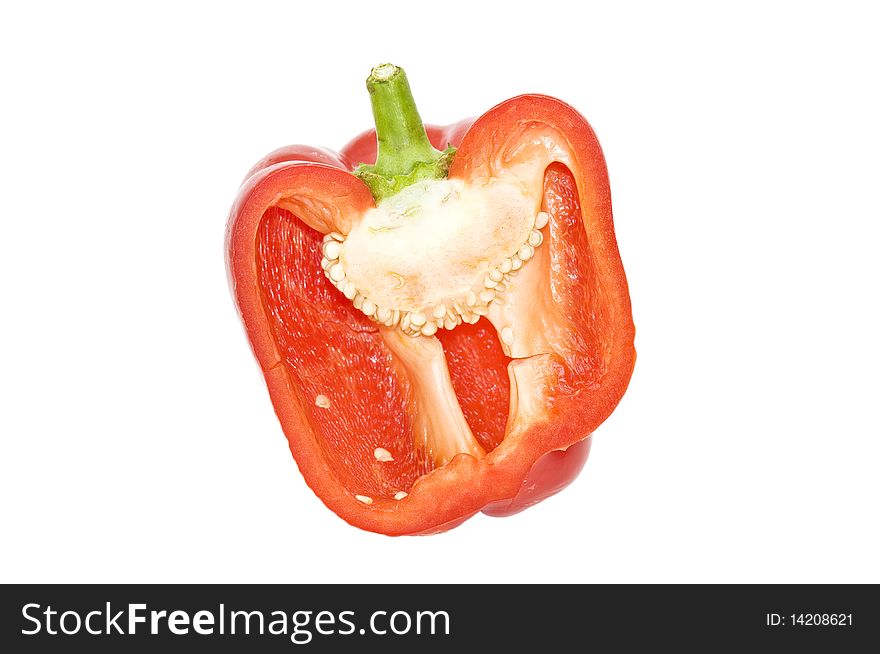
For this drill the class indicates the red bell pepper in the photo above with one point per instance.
(441, 330)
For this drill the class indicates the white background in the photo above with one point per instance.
(138, 441)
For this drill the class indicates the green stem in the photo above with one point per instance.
(405, 155)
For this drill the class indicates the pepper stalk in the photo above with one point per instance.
(405, 154)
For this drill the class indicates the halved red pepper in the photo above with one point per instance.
(440, 330)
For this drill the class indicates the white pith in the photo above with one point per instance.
(435, 255)
(440, 430)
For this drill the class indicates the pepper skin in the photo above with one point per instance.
(393, 432)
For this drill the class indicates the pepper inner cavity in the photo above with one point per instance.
(436, 254)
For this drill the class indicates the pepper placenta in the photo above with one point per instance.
(440, 313)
